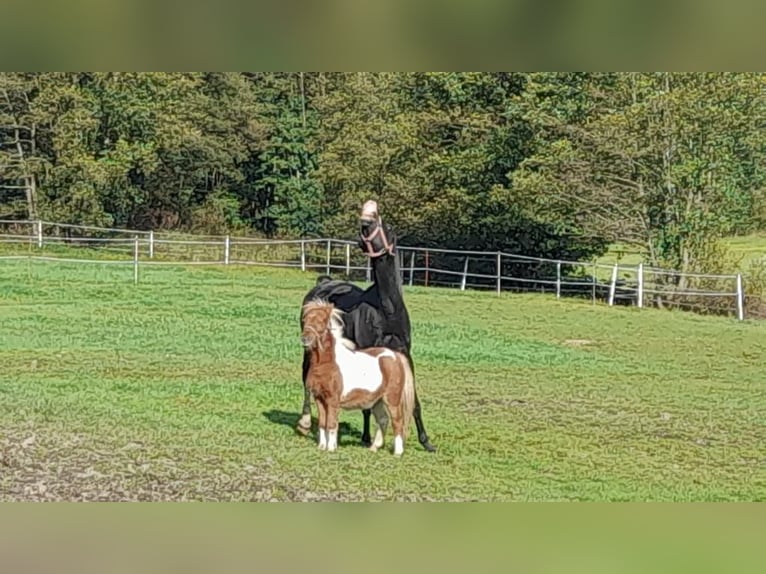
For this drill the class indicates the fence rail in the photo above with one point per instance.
(617, 284)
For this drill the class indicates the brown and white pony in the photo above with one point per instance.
(343, 377)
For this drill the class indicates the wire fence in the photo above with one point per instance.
(618, 284)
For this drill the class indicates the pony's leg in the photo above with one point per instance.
(322, 414)
(366, 428)
(304, 423)
(332, 426)
(398, 445)
(381, 418)
(397, 422)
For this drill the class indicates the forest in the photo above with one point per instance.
(558, 165)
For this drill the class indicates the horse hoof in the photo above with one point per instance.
(428, 446)
(304, 426)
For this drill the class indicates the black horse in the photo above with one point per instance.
(376, 316)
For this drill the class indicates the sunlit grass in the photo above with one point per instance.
(746, 249)
(187, 386)
(751, 248)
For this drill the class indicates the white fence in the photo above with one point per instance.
(617, 284)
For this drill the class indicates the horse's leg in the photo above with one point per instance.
(422, 435)
(322, 414)
(381, 418)
(366, 428)
(304, 423)
(416, 414)
(333, 409)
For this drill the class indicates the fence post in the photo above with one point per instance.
(412, 266)
(39, 234)
(593, 286)
(135, 259)
(369, 270)
(465, 274)
(613, 285)
(329, 244)
(426, 267)
(558, 279)
(499, 271)
(151, 245)
(226, 247)
(303, 255)
(348, 259)
(740, 298)
(640, 295)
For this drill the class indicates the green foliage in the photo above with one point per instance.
(137, 149)
(286, 180)
(218, 214)
(553, 164)
(667, 162)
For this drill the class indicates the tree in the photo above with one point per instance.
(364, 147)
(438, 150)
(136, 149)
(18, 183)
(555, 165)
(289, 194)
(666, 162)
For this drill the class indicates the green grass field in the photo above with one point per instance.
(747, 249)
(187, 387)
(751, 248)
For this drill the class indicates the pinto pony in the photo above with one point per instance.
(343, 377)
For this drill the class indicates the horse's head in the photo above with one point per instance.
(375, 237)
(320, 319)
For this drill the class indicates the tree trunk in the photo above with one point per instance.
(26, 177)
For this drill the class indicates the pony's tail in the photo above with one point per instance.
(408, 395)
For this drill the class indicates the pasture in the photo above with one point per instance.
(187, 387)
(744, 249)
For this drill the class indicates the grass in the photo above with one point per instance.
(749, 248)
(187, 387)
(622, 254)
(752, 248)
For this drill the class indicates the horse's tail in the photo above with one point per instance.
(408, 394)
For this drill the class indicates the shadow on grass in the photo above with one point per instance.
(290, 419)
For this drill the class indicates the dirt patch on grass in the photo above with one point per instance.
(578, 342)
(57, 466)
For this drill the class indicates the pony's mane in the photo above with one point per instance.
(335, 316)
(316, 304)
(348, 343)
